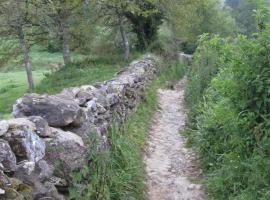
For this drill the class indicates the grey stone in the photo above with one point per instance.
(7, 157)
(38, 176)
(42, 126)
(3, 127)
(56, 110)
(23, 140)
(65, 150)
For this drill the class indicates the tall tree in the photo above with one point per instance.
(112, 13)
(189, 19)
(15, 22)
(145, 17)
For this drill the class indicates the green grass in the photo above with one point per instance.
(83, 72)
(40, 59)
(118, 174)
(12, 86)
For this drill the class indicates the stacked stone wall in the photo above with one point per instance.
(47, 137)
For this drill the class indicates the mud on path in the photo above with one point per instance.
(170, 166)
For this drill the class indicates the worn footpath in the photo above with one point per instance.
(171, 167)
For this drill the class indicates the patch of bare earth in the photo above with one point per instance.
(171, 167)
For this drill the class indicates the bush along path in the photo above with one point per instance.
(170, 166)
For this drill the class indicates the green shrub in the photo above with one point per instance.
(230, 127)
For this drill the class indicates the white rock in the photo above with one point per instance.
(29, 167)
(2, 191)
(3, 127)
(21, 122)
(65, 136)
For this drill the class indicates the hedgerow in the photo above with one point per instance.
(229, 119)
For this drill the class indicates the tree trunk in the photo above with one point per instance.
(124, 39)
(25, 52)
(141, 37)
(65, 40)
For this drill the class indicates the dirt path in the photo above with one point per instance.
(169, 164)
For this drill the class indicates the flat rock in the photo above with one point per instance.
(56, 110)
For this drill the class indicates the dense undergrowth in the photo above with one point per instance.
(228, 97)
(118, 174)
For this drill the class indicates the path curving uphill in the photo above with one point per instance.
(169, 164)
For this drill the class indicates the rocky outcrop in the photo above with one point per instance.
(47, 139)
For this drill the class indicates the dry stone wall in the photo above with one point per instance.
(46, 139)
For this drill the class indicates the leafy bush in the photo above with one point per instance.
(231, 128)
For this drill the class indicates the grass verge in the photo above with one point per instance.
(118, 174)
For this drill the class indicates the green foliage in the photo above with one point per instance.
(208, 55)
(231, 124)
(246, 14)
(189, 20)
(118, 173)
(165, 44)
(145, 25)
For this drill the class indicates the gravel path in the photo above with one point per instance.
(169, 164)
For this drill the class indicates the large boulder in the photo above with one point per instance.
(57, 110)
(7, 157)
(65, 151)
(23, 140)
